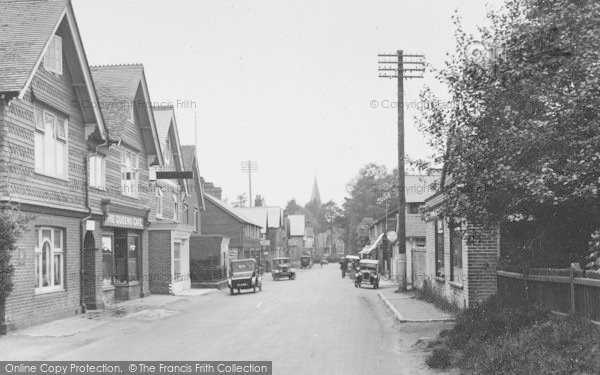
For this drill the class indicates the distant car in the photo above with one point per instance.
(306, 261)
(368, 273)
(244, 274)
(282, 268)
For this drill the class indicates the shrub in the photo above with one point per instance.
(440, 358)
(428, 294)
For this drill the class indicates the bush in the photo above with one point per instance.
(440, 358)
(428, 294)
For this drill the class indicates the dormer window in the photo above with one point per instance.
(53, 60)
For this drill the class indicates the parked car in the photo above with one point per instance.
(368, 273)
(244, 274)
(282, 268)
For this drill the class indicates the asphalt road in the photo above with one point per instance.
(316, 324)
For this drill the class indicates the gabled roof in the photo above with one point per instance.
(165, 122)
(258, 215)
(190, 162)
(229, 210)
(26, 29)
(296, 225)
(117, 86)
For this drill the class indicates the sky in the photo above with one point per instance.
(292, 86)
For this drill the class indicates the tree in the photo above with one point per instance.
(362, 232)
(522, 137)
(292, 207)
(259, 201)
(240, 200)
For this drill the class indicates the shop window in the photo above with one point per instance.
(97, 171)
(53, 60)
(159, 202)
(50, 143)
(177, 260)
(129, 173)
(107, 261)
(456, 254)
(439, 248)
(49, 256)
(126, 256)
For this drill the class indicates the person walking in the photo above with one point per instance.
(343, 267)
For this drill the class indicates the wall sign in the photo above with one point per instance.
(124, 221)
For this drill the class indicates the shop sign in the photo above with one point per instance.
(124, 221)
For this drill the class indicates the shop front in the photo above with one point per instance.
(123, 257)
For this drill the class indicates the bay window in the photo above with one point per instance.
(50, 143)
(49, 256)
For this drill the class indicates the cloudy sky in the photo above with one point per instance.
(290, 85)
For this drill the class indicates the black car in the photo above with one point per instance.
(282, 268)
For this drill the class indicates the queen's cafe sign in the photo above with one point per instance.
(124, 221)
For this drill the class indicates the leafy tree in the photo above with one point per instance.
(362, 232)
(522, 138)
(292, 207)
(240, 200)
(259, 201)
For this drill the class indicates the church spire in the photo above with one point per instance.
(315, 197)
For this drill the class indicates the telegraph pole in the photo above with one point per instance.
(249, 167)
(388, 70)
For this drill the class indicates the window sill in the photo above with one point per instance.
(440, 279)
(124, 284)
(108, 288)
(456, 285)
(64, 179)
(49, 290)
(131, 196)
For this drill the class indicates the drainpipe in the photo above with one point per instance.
(86, 160)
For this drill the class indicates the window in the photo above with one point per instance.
(107, 261)
(439, 248)
(456, 254)
(177, 260)
(412, 208)
(49, 255)
(175, 206)
(50, 143)
(53, 59)
(168, 154)
(130, 113)
(97, 171)
(129, 173)
(159, 202)
(185, 214)
(196, 221)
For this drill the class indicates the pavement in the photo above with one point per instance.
(318, 323)
(408, 309)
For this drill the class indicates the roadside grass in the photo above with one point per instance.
(499, 337)
(428, 294)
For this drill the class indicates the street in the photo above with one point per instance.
(316, 324)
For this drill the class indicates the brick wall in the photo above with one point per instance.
(159, 268)
(482, 263)
(24, 306)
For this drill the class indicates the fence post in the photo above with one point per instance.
(572, 285)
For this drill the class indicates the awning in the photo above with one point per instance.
(367, 249)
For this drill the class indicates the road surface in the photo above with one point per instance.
(316, 324)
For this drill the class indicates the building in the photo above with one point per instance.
(121, 192)
(418, 189)
(170, 231)
(295, 233)
(220, 219)
(272, 230)
(48, 133)
(461, 258)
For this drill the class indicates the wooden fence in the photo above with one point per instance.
(569, 291)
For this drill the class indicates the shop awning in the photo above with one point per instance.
(367, 249)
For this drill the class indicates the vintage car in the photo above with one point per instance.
(244, 274)
(352, 264)
(368, 273)
(306, 261)
(282, 268)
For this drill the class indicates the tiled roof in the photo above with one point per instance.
(257, 215)
(25, 28)
(230, 210)
(163, 117)
(296, 225)
(188, 153)
(116, 86)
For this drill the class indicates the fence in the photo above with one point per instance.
(560, 289)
